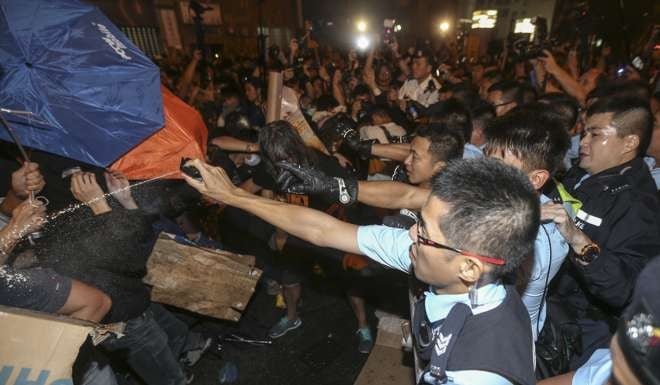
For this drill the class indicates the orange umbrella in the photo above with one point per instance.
(183, 136)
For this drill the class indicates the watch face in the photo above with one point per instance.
(343, 198)
(589, 256)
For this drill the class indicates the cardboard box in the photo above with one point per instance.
(38, 348)
(210, 282)
(388, 362)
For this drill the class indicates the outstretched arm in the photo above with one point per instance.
(391, 195)
(384, 194)
(313, 226)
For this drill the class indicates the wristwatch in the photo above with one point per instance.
(588, 254)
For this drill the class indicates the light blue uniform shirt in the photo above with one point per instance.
(655, 171)
(550, 250)
(573, 152)
(470, 151)
(390, 247)
(596, 371)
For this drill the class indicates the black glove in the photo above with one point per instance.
(353, 142)
(296, 179)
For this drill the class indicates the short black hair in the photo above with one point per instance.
(534, 137)
(446, 144)
(631, 116)
(482, 112)
(454, 115)
(565, 106)
(511, 90)
(493, 210)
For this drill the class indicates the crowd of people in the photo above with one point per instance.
(524, 213)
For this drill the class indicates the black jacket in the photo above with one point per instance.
(620, 212)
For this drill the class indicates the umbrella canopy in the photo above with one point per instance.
(77, 87)
(184, 136)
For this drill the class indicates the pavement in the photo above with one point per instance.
(322, 351)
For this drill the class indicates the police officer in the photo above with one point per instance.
(422, 88)
(472, 328)
(612, 224)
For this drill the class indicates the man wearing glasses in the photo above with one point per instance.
(470, 328)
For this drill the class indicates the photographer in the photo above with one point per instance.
(578, 89)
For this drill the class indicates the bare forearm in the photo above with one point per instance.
(187, 77)
(8, 239)
(311, 225)
(392, 195)
(570, 85)
(229, 143)
(338, 93)
(395, 151)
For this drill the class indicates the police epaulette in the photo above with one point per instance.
(618, 188)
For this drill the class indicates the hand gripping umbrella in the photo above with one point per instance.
(72, 84)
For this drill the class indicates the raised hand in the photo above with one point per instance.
(86, 189)
(214, 182)
(119, 187)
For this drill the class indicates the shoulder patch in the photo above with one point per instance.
(615, 189)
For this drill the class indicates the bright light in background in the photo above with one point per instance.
(444, 26)
(524, 26)
(361, 25)
(362, 42)
(484, 19)
(397, 28)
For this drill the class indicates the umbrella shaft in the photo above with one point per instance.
(15, 138)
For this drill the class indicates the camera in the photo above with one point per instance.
(527, 49)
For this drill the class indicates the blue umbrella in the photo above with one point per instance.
(72, 84)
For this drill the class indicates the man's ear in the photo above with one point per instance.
(470, 270)
(439, 165)
(630, 143)
(538, 178)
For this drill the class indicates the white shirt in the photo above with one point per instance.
(417, 91)
(376, 132)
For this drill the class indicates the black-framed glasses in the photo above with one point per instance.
(427, 242)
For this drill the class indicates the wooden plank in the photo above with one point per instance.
(214, 283)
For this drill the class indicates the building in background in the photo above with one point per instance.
(488, 21)
(230, 27)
